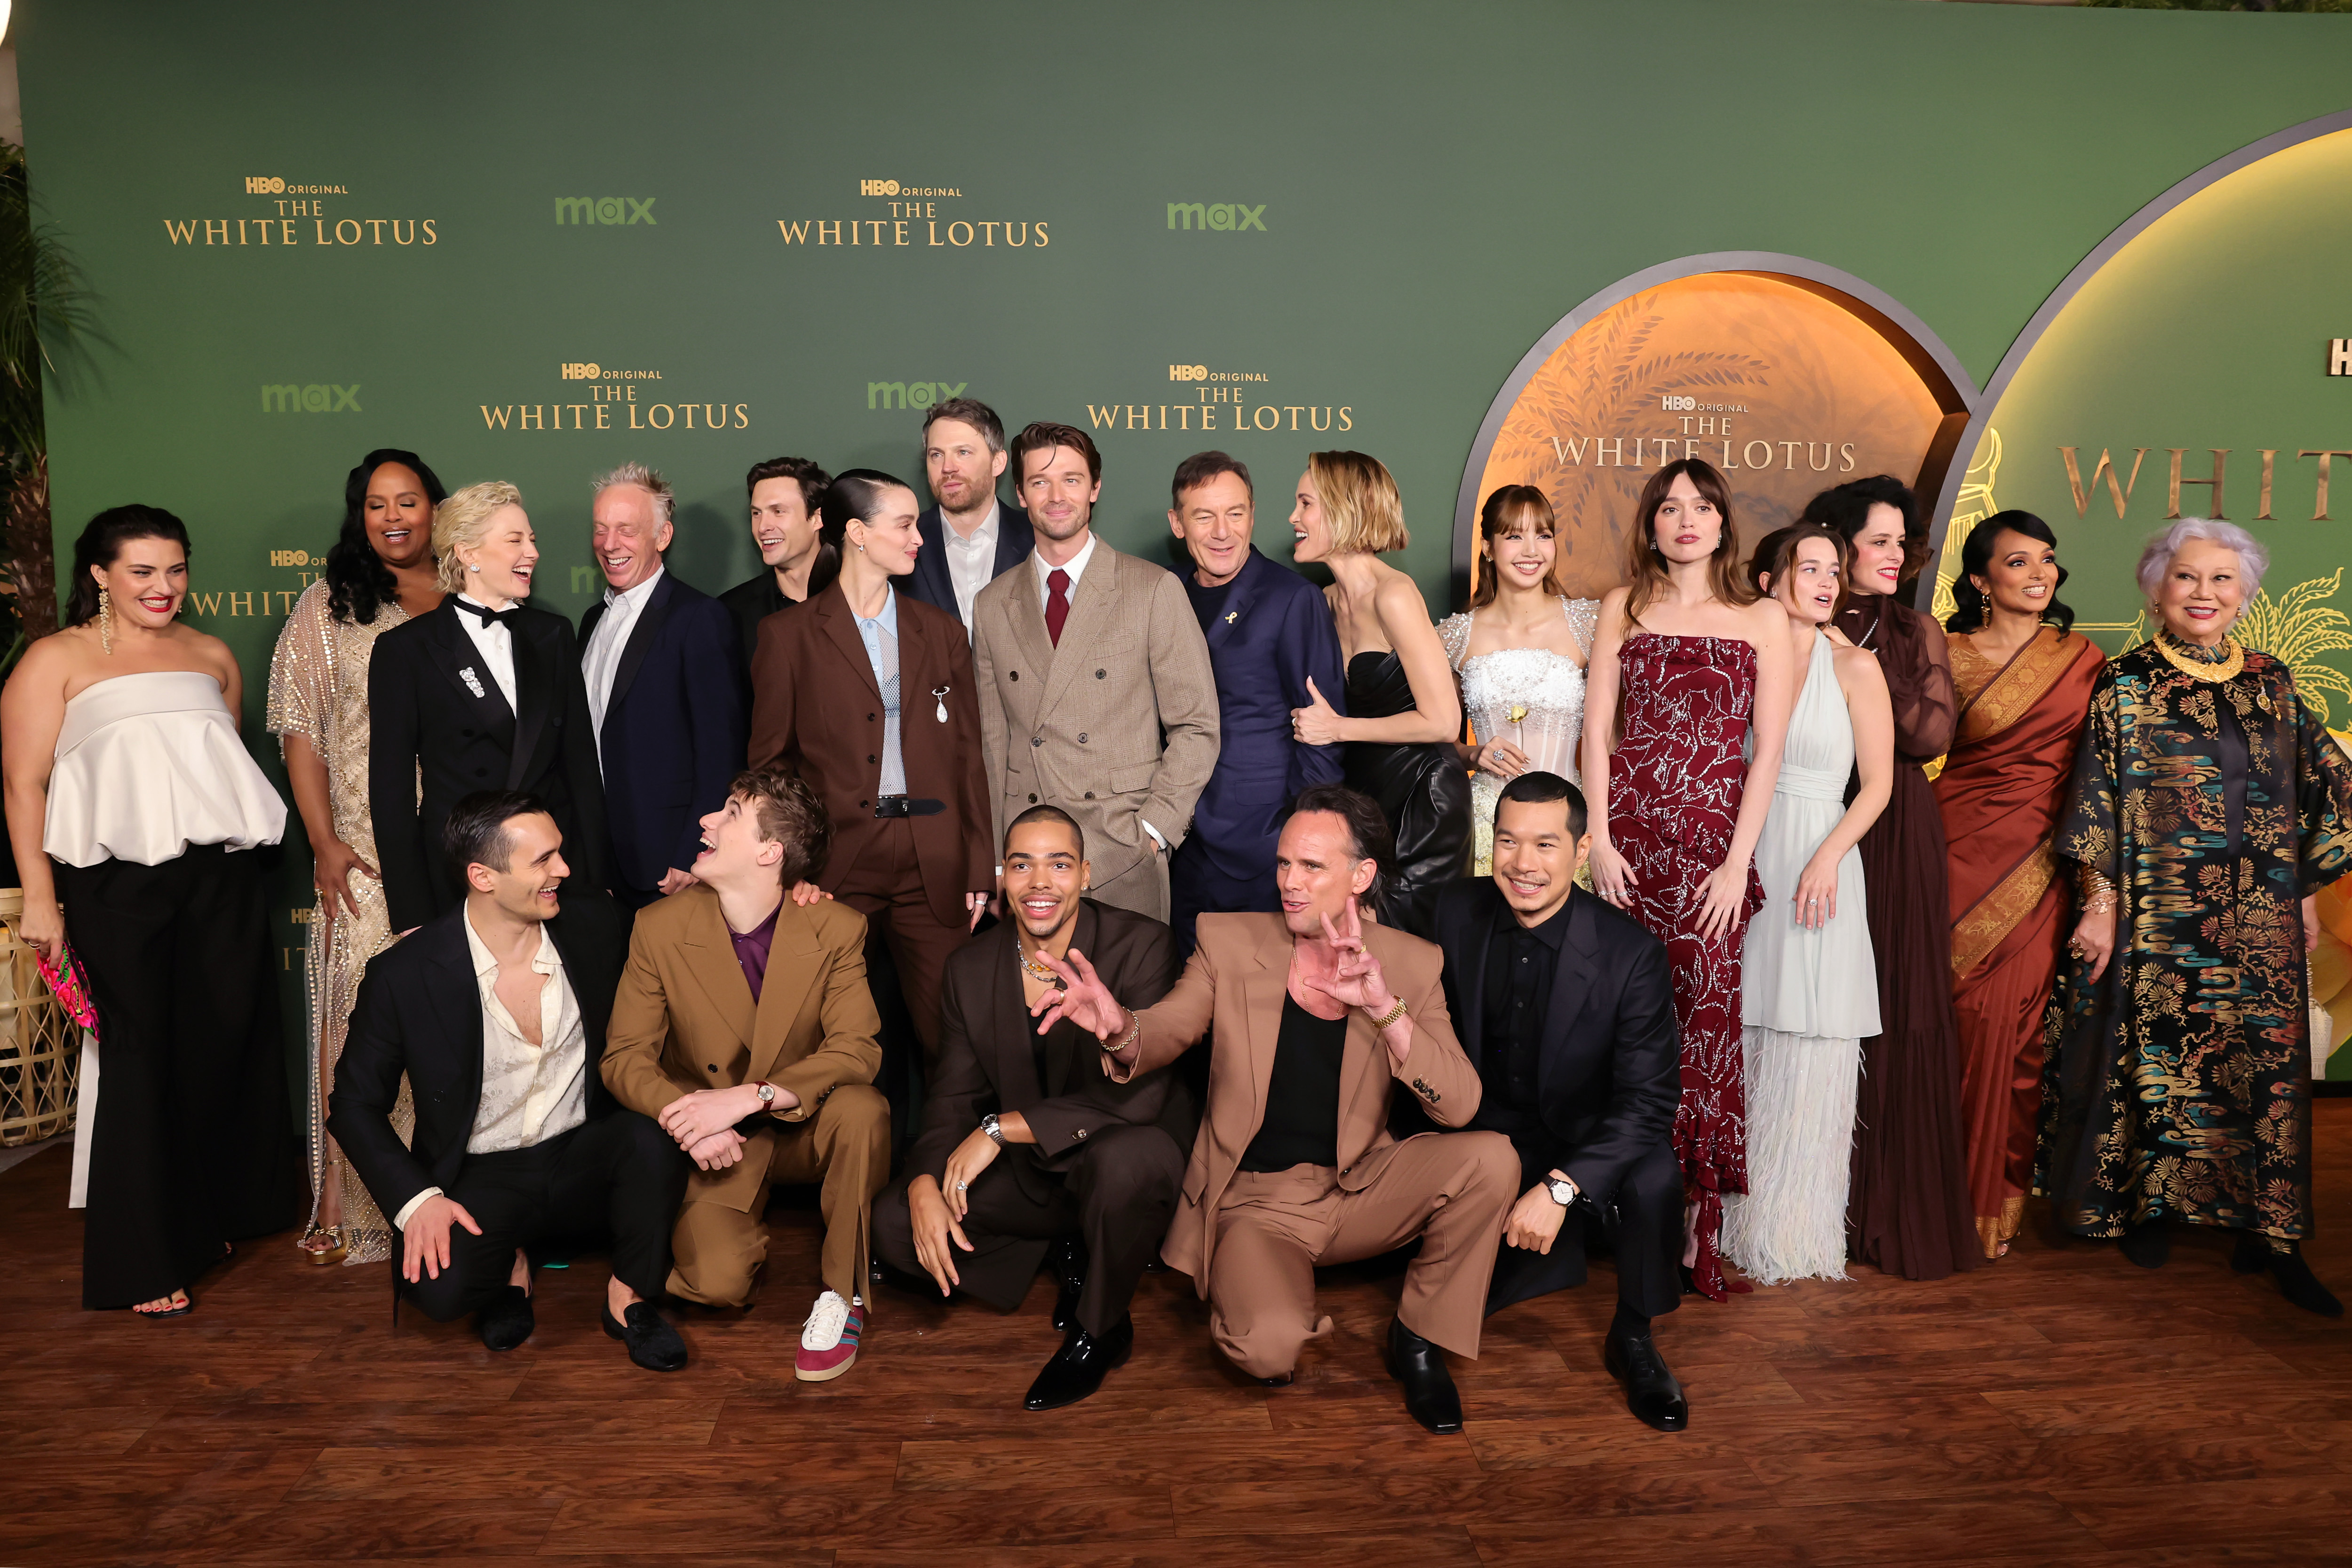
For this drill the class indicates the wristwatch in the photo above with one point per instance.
(1562, 1191)
(993, 1127)
(767, 1094)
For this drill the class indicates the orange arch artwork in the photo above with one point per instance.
(1786, 384)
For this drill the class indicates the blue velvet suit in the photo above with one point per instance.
(674, 736)
(1273, 632)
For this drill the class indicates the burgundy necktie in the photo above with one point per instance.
(1057, 603)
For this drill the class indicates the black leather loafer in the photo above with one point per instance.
(653, 1344)
(1079, 1367)
(1652, 1392)
(507, 1322)
(1430, 1397)
(1067, 1263)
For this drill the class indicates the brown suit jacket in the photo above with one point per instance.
(1235, 985)
(989, 1049)
(683, 1019)
(1080, 725)
(815, 707)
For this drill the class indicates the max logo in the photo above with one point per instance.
(1222, 216)
(613, 212)
(316, 398)
(911, 395)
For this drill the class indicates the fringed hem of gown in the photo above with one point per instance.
(1791, 1223)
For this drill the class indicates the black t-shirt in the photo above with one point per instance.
(1302, 1093)
(1208, 603)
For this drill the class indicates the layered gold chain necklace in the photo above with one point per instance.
(2222, 663)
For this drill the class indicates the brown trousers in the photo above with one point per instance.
(1451, 1189)
(886, 886)
(717, 1250)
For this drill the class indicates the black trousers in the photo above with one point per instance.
(1196, 887)
(1646, 1225)
(618, 1176)
(1117, 1196)
(194, 1145)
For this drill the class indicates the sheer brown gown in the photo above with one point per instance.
(1909, 1212)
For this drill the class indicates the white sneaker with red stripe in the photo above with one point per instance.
(829, 1339)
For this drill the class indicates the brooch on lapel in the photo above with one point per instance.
(473, 682)
(1232, 616)
(940, 713)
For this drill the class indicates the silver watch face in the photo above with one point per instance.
(1562, 1193)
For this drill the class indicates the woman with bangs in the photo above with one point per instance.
(1520, 652)
(1678, 800)
(1403, 712)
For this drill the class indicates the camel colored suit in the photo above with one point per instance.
(1250, 1239)
(1079, 725)
(683, 1019)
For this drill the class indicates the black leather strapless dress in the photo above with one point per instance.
(1424, 790)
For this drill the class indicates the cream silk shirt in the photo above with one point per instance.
(972, 562)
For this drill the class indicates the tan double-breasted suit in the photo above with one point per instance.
(1252, 1240)
(683, 1019)
(1116, 725)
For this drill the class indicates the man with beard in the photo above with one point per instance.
(1096, 692)
(970, 538)
(1028, 1153)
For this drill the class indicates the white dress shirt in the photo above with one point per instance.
(530, 1092)
(606, 645)
(495, 645)
(1076, 566)
(972, 562)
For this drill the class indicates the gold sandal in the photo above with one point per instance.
(323, 1257)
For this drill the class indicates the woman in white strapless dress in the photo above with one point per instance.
(130, 797)
(1809, 992)
(1519, 652)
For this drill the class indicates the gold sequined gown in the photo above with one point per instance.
(318, 689)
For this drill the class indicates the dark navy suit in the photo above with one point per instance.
(675, 727)
(930, 580)
(1271, 633)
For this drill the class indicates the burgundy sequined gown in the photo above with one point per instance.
(1674, 784)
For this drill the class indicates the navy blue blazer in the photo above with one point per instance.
(930, 581)
(1273, 632)
(675, 731)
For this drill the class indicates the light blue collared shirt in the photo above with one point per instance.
(880, 636)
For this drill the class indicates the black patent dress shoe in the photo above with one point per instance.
(1079, 1367)
(653, 1344)
(507, 1322)
(1067, 1263)
(1430, 1397)
(1652, 1392)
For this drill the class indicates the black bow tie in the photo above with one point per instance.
(510, 618)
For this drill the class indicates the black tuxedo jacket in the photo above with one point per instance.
(989, 1051)
(674, 730)
(1610, 1072)
(751, 601)
(427, 717)
(930, 580)
(420, 1013)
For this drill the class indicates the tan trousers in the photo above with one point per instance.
(717, 1249)
(1141, 887)
(1451, 1189)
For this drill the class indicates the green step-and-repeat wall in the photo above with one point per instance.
(532, 240)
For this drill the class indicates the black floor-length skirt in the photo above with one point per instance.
(193, 1146)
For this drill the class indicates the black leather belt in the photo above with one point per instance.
(908, 805)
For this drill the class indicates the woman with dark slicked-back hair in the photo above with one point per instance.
(1908, 1212)
(129, 800)
(380, 574)
(2023, 679)
(1678, 800)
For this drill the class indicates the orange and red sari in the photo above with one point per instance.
(2001, 791)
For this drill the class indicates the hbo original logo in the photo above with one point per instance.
(263, 186)
(878, 187)
(1188, 372)
(587, 372)
(291, 557)
(1674, 404)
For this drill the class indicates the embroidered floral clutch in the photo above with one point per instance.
(69, 987)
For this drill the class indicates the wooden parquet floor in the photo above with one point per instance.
(2060, 1406)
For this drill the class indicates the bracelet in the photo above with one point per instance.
(1394, 1013)
(1134, 1032)
(2099, 892)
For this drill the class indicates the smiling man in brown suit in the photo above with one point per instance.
(1029, 1154)
(1318, 1018)
(743, 1025)
(1085, 662)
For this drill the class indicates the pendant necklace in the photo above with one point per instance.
(2222, 663)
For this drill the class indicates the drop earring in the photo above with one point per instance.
(105, 619)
